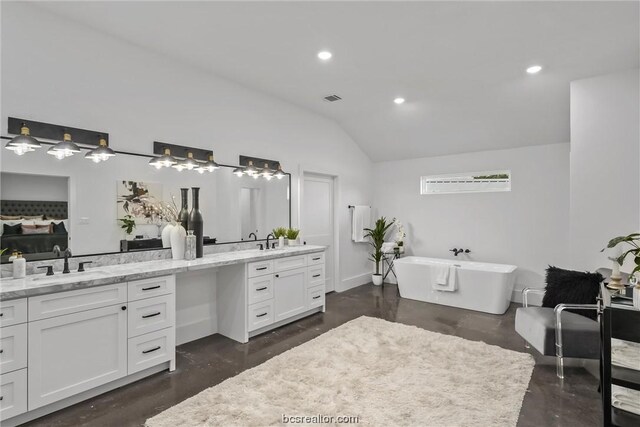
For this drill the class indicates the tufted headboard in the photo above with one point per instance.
(51, 210)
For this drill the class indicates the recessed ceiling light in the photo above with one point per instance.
(325, 55)
(534, 69)
(399, 101)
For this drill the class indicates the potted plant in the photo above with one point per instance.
(632, 240)
(377, 235)
(128, 225)
(292, 236)
(280, 233)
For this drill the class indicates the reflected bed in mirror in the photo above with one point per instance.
(233, 207)
(468, 182)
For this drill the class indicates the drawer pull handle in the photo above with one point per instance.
(261, 289)
(146, 316)
(1, 351)
(261, 315)
(124, 307)
(316, 275)
(1, 314)
(261, 268)
(317, 296)
(151, 350)
(1, 397)
(277, 275)
(316, 259)
(151, 288)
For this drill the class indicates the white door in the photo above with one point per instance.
(289, 293)
(317, 220)
(76, 352)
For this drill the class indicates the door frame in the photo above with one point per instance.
(336, 226)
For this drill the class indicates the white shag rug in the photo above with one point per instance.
(384, 373)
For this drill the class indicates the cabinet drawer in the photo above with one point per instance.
(260, 289)
(152, 314)
(147, 288)
(315, 259)
(260, 315)
(13, 390)
(45, 306)
(315, 297)
(13, 348)
(316, 275)
(260, 268)
(151, 349)
(13, 312)
(290, 263)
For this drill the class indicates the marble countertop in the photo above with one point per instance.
(40, 284)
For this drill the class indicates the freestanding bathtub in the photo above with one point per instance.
(480, 286)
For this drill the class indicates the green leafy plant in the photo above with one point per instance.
(292, 233)
(377, 236)
(2, 251)
(632, 240)
(279, 232)
(128, 224)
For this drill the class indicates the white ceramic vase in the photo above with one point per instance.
(281, 242)
(166, 235)
(178, 241)
(376, 279)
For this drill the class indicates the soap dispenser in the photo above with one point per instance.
(19, 267)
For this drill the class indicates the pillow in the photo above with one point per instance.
(36, 217)
(10, 217)
(11, 229)
(572, 287)
(58, 228)
(36, 229)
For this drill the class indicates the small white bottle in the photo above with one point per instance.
(13, 256)
(19, 267)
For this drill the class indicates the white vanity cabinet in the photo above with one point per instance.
(289, 293)
(13, 358)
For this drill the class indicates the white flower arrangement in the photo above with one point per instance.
(400, 233)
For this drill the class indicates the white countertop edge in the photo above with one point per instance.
(37, 284)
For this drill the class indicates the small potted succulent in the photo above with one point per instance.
(292, 236)
(377, 236)
(280, 233)
(632, 240)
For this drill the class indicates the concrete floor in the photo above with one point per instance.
(208, 361)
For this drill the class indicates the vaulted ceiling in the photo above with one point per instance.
(459, 65)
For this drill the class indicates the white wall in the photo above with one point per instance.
(62, 72)
(605, 165)
(33, 187)
(527, 227)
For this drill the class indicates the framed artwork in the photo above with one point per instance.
(136, 198)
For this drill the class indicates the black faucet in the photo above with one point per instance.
(459, 251)
(254, 236)
(269, 237)
(67, 254)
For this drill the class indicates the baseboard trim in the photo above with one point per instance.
(354, 282)
(195, 330)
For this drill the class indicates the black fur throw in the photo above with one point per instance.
(572, 287)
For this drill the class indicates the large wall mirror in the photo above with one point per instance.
(77, 203)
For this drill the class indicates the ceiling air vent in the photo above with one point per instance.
(332, 98)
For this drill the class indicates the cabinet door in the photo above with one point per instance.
(76, 352)
(289, 289)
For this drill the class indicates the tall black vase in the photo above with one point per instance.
(196, 223)
(183, 215)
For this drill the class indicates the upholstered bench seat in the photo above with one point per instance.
(537, 325)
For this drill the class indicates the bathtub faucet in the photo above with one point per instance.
(459, 251)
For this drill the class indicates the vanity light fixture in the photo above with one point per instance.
(250, 169)
(266, 172)
(102, 153)
(279, 173)
(164, 161)
(189, 163)
(64, 148)
(238, 172)
(209, 166)
(23, 143)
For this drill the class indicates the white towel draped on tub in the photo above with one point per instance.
(361, 220)
(443, 277)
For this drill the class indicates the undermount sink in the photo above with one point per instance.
(59, 275)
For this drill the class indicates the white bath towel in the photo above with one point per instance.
(361, 220)
(443, 277)
(625, 354)
(625, 398)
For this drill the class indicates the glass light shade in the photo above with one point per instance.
(164, 161)
(238, 172)
(23, 143)
(250, 169)
(266, 172)
(64, 148)
(208, 166)
(189, 163)
(279, 173)
(100, 154)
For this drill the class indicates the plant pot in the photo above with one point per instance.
(376, 279)
(178, 241)
(166, 235)
(292, 242)
(281, 242)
